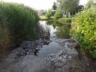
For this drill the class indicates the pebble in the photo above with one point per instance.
(62, 56)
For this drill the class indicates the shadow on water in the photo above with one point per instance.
(42, 30)
(57, 31)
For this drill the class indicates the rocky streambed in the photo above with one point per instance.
(24, 59)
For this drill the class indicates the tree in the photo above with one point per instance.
(49, 14)
(68, 5)
(58, 15)
(89, 4)
(54, 7)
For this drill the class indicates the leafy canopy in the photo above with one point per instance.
(54, 6)
(58, 15)
(68, 5)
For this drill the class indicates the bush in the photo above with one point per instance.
(49, 14)
(84, 29)
(58, 15)
(17, 23)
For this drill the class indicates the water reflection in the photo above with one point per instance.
(43, 29)
(49, 22)
(57, 30)
(61, 30)
(53, 47)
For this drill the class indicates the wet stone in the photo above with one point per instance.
(30, 47)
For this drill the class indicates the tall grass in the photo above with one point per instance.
(17, 23)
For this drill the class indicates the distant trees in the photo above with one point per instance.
(58, 14)
(89, 4)
(68, 5)
(54, 7)
(49, 14)
(52, 11)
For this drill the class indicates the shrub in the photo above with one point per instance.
(58, 15)
(84, 29)
(17, 23)
(49, 14)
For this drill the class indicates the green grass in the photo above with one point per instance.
(61, 20)
(52, 17)
(45, 18)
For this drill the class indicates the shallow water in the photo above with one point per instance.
(53, 47)
(57, 31)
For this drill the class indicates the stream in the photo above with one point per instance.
(58, 55)
(57, 31)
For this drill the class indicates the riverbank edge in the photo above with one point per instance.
(52, 18)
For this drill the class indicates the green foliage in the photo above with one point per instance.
(58, 15)
(84, 29)
(43, 17)
(43, 13)
(49, 22)
(43, 30)
(49, 14)
(17, 23)
(68, 5)
(63, 31)
(54, 6)
(89, 4)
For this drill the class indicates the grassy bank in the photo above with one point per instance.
(63, 19)
(45, 18)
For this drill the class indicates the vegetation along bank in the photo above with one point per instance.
(17, 23)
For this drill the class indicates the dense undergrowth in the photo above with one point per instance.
(84, 29)
(17, 23)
